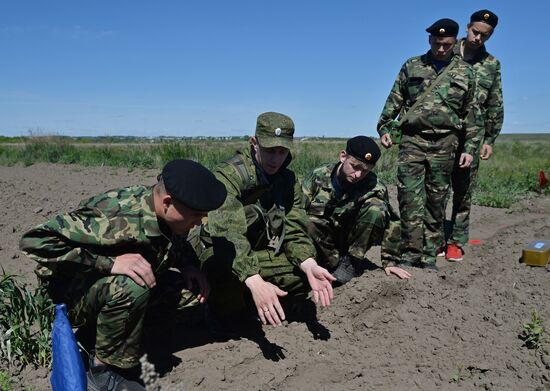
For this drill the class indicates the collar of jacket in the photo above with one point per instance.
(150, 222)
(480, 55)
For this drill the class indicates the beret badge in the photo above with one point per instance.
(441, 31)
(486, 16)
(368, 156)
(277, 131)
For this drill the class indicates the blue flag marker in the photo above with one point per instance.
(68, 372)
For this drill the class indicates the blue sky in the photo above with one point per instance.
(190, 68)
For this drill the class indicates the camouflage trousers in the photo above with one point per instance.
(116, 306)
(371, 226)
(228, 294)
(424, 171)
(463, 182)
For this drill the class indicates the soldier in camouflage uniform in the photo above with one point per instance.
(349, 211)
(489, 91)
(430, 138)
(256, 243)
(109, 259)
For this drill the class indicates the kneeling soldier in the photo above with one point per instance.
(348, 212)
(255, 246)
(109, 259)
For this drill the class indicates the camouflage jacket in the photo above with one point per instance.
(229, 221)
(489, 90)
(450, 107)
(88, 239)
(321, 200)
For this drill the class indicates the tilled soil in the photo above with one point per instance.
(453, 329)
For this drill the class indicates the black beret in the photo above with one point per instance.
(363, 148)
(485, 16)
(443, 28)
(193, 185)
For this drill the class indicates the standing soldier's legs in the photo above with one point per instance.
(463, 182)
(324, 238)
(411, 196)
(368, 228)
(438, 178)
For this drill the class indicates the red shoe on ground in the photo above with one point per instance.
(454, 253)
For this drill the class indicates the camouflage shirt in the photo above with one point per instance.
(489, 90)
(450, 107)
(229, 220)
(88, 239)
(321, 200)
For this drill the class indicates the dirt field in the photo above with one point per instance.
(381, 333)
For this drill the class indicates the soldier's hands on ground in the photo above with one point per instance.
(266, 297)
(195, 280)
(465, 160)
(401, 273)
(386, 140)
(135, 267)
(486, 152)
(320, 281)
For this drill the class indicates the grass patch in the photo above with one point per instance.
(510, 174)
(25, 323)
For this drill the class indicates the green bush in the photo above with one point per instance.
(25, 323)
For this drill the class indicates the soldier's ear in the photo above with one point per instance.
(343, 156)
(166, 201)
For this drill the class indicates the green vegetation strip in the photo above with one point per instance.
(511, 174)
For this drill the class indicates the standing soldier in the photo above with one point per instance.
(349, 211)
(110, 259)
(434, 98)
(256, 244)
(489, 90)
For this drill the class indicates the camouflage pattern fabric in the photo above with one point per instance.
(353, 222)
(75, 253)
(423, 174)
(489, 89)
(451, 107)
(260, 229)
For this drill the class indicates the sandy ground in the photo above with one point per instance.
(381, 333)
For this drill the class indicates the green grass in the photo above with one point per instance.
(25, 323)
(510, 174)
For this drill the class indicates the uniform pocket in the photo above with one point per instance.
(414, 87)
(455, 94)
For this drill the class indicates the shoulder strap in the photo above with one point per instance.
(237, 163)
(451, 65)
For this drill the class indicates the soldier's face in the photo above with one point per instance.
(179, 217)
(351, 169)
(442, 47)
(477, 33)
(270, 159)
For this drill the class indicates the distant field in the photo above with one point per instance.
(512, 173)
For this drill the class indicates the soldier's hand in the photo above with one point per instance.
(465, 160)
(135, 267)
(401, 273)
(320, 281)
(486, 152)
(266, 297)
(385, 140)
(196, 280)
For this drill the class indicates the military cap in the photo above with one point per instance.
(443, 28)
(485, 16)
(274, 130)
(363, 148)
(193, 185)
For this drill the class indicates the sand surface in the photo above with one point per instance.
(381, 333)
